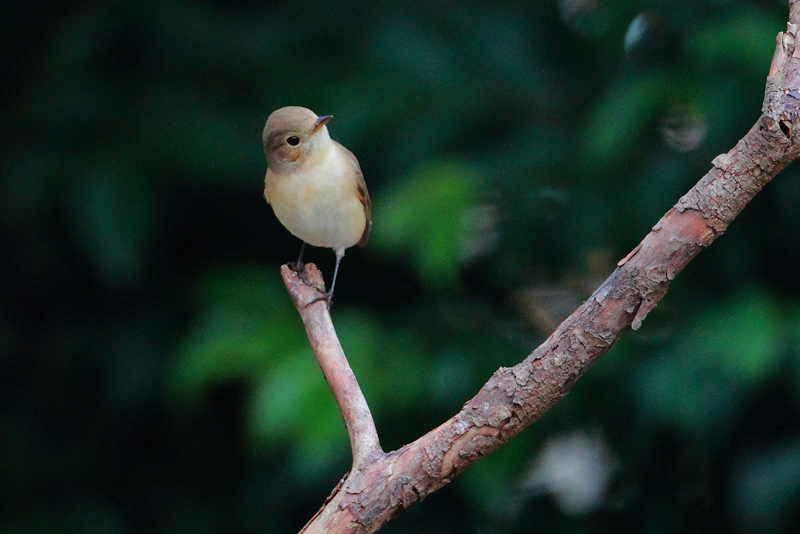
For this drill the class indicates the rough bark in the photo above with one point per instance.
(381, 485)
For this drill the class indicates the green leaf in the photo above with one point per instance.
(246, 328)
(624, 114)
(292, 402)
(737, 40)
(423, 218)
(742, 335)
(704, 378)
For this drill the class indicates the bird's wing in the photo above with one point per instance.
(361, 191)
(269, 184)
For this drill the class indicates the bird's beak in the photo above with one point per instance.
(321, 121)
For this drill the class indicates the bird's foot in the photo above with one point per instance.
(305, 276)
(300, 269)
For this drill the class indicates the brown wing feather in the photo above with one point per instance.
(363, 194)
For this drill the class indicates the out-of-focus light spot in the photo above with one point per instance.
(547, 305)
(576, 469)
(637, 30)
(479, 232)
(583, 16)
(684, 128)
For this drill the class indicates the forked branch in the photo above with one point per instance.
(381, 485)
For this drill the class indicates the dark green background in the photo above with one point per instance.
(154, 377)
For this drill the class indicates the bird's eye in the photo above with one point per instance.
(293, 140)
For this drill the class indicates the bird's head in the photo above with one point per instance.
(291, 136)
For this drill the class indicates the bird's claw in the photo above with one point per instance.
(300, 269)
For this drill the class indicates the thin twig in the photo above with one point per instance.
(514, 398)
(328, 351)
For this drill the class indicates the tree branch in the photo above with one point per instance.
(386, 483)
(313, 309)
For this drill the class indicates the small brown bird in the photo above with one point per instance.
(314, 184)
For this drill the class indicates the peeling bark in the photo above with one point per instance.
(381, 485)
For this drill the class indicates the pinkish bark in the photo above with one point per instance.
(381, 485)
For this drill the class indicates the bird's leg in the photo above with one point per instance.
(329, 295)
(300, 265)
(339, 255)
(300, 269)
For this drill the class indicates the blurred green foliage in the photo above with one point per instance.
(154, 376)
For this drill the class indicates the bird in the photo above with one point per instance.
(315, 185)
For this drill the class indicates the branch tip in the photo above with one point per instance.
(305, 287)
(380, 485)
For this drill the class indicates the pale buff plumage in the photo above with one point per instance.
(314, 184)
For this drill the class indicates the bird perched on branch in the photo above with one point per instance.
(314, 184)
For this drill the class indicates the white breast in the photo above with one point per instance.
(320, 204)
